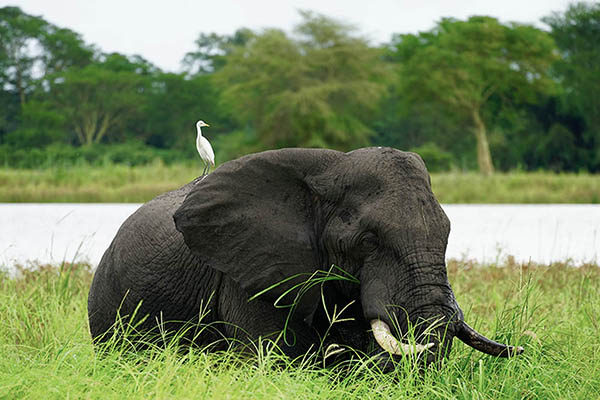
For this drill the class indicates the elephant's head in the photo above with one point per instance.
(269, 216)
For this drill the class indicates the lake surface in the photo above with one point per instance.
(540, 233)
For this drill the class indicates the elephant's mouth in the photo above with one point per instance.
(468, 335)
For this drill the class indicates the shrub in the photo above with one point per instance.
(130, 153)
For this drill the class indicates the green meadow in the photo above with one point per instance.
(117, 183)
(551, 310)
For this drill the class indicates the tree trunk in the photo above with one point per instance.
(90, 124)
(80, 134)
(484, 157)
(106, 121)
(20, 87)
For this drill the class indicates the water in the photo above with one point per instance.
(539, 232)
(51, 233)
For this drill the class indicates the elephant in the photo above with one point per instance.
(231, 247)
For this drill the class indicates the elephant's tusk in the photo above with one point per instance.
(388, 342)
(479, 342)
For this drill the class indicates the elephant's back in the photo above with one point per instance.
(150, 228)
(141, 264)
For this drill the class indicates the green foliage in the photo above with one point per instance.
(435, 158)
(461, 64)
(323, 85)
(314, 91)
(129, 153)
(41, 125)
(58, 49)
(173, 105)
(236, 144)
(406, 124)
(212, 51)
(577, 34)
(46, 350)
(17, 29)
(96, 99)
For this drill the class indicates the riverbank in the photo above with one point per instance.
(551, 310)
(517, 187)
(122, 184)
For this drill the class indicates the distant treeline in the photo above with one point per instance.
(474, 94)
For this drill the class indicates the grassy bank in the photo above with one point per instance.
(122, 184)
(517, 187)
(553, 311)
(86, 184)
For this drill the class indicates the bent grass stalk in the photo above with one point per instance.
(318, 277)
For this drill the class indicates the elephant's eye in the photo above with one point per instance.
(370, 241)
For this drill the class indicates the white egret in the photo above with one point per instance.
(204, 148)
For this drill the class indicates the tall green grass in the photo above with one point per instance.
(553, 311)
(120, 183)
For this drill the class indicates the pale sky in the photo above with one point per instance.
(163, 31)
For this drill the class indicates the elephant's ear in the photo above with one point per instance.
(254, 219)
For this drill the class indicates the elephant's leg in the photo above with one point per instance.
(247, 321)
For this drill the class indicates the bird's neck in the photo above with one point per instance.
(199, 132)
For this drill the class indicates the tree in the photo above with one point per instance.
(174, 104)
(316, 89)
(212, 51)
(96, 98)
(577, 35)
(63, 49)
(32, 49)
(461, 64)
(30, 46)
(17, 32)
(41, 124)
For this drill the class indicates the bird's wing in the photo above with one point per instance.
(205, 150)
(199, 146)
(209, 151)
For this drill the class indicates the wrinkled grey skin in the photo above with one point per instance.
(262, 218)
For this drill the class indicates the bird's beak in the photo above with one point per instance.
(206, 125)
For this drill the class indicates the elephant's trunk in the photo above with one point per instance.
(435, 326)
(427, 304)
(479, 342)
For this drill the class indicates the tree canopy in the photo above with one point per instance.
(315, 89)
(467, 94)
(29, 45)
(577, 34)
(462, 64)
